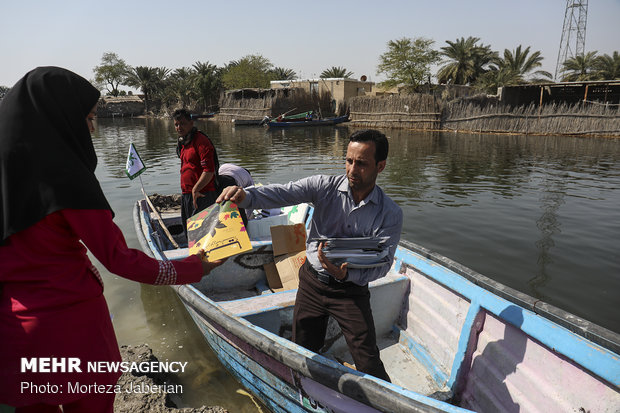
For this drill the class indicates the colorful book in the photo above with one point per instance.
(218, 231)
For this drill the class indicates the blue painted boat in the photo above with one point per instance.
(452, 340)
(314, 122)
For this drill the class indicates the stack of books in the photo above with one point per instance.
(360, 252)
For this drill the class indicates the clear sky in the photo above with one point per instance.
(306, 36)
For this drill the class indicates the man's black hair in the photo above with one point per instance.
(181, 113)
(372, 135)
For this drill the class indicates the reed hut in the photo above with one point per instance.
(601, 92)
(120, 106)
(255, 104)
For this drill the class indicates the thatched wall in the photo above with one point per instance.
(554, 119)
(258, 103)
(415, 111)
(426, 112)
(121, 106)
(484, 114)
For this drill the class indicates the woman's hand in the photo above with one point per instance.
(339, 273)
(207, 266)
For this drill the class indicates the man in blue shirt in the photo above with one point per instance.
(350, 205)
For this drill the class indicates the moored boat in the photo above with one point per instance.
(248, 122)
(311, 122)
(451, 339)
(203, 115)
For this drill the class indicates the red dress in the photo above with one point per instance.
(52, 304)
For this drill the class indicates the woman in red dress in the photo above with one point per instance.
(52, 309)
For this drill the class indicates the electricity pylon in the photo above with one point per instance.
(573, 40)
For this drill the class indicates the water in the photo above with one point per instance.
(539, 214)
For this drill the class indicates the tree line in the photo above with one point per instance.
(199, 84)
(406, 64)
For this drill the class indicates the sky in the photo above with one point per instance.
(307, 37)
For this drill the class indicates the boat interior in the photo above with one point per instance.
(249, 296)
(440, 334)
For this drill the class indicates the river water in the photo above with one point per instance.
(538, 214)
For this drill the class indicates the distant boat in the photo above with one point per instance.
(203, 115)
(281, 118)
(312, 122)
(309, 115)
(452, 340)
(248, 122)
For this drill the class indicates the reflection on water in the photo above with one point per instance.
(552, 198)
(539, 214)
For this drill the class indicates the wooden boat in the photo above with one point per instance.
(452, 340)
(298, 117)
(203, 115)
(313, 122)
(248, 122)
(283, 118)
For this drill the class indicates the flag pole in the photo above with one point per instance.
(157, 215)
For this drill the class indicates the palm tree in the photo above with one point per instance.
(180, 85)
(484, 59)
(521, 63)
(208, 81)
(336, 72)
(465, 62)
(608, 67)
(580, 68)
(280, 73)
(498, 77)
(143, 78)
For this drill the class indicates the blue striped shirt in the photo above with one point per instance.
(335, 215)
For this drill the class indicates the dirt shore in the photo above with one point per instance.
(147, 392)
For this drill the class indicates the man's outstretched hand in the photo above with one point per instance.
(235, 194)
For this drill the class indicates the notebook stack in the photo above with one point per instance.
(360, 252)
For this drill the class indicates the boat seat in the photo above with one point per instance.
(177, 254)
(384, 289)
(260, 304)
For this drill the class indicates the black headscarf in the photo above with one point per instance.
(47, 158)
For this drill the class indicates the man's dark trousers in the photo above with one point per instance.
(349, 305)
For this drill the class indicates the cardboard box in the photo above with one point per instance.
(289, 250)
(288, 238)
(273, 279)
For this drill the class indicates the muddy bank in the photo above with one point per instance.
(148, 392)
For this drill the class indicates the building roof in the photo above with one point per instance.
(551, 84)
(321, 79)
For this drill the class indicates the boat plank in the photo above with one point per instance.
(263, 303)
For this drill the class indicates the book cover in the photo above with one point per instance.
(218, 231)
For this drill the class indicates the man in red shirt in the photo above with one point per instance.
(199, 164)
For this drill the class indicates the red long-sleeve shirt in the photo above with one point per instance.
(196, 158)
(52, 304)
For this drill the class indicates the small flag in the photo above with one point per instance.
(134, 166)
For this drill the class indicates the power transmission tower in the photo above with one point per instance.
(573, 32)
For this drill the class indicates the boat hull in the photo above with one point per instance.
(289, 378)
(483, 346)
(318, 122)
(248, 122)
